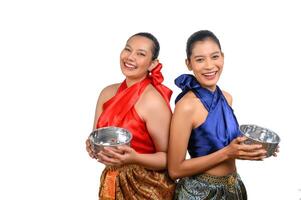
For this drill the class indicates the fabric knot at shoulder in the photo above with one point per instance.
(186, 82)
(157, 79)
(156, 75)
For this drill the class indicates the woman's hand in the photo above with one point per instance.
(276, 151)
(117, 156)
(89, 149)
(238, 150)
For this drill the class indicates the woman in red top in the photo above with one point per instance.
(140, 104)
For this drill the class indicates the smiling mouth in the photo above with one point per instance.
(130, 66)
(210, 74)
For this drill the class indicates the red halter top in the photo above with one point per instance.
(120, 111)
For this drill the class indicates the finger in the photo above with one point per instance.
(251, 159)
(275, 153)
(107, 159)
(102, 161)
(114, 149)
(125, 148)
(259, 158)
(113, 154)
(88, 143)
(241, 139)
(250, 147)
(254, 153)
(90, 149)
(89, 152)
(92, 155)
(105, 153)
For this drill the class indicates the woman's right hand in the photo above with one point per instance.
(89, 149)
(118, 156)
(238, 150)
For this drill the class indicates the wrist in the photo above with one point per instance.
(225, 155)
(136, 158)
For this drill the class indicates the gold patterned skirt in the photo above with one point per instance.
(133, 182)
(208, 187)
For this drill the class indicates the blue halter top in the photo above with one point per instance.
(220, 126)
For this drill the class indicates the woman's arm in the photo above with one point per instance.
(157, 115)
(184, 119)
(107, 93)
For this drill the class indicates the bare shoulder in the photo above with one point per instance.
(152, 107)
(152, 99)
(228, 97)
(187, 104)
(108, 92)
(191, 108)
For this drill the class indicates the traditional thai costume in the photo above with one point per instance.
(218, 130)
(134, 182)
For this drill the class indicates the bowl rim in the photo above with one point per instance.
(258, 139)
(108, 127)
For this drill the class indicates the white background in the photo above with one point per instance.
(56, 56)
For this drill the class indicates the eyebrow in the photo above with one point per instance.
(143, 50)
(200, 56)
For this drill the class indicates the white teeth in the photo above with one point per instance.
(210, 74)
(129, 66)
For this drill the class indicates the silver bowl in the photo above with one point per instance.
(260, 135)
(110, 136)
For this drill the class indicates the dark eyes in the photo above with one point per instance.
(214, 57)
(130, 50)
(200, 60)
(140, 54)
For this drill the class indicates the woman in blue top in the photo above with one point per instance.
(204, 123)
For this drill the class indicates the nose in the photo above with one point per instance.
(131, 56)
(209, 64)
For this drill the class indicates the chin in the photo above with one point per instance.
(126, 72)
(211, 85)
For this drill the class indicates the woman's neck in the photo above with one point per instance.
(211, 88)
(131, 81)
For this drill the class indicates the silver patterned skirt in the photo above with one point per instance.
(208, 187)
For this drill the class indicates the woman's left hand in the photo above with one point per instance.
(276, 152)
(117, 156)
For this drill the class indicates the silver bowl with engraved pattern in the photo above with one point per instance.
(110, 136)
(259, 135)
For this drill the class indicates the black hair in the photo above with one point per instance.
(156, 45)
(201, 35)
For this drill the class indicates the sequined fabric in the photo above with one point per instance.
(208, 187)
(133, 182)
